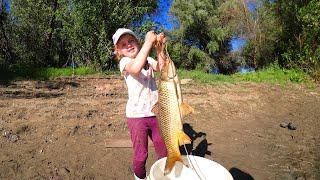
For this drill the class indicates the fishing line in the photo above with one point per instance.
(185, 148)
(191, 164)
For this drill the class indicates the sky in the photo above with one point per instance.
(162, 15)
(252, 6)
(237, 44)
(6, 4)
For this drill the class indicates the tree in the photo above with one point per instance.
(201, 32)
(35, 30)
(52, 32)
(90, 25)
(93, 23)
(299, 42)
(259, 26)
(7, 55)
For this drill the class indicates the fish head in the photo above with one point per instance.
(168, 70)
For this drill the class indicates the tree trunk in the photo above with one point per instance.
(49, 57)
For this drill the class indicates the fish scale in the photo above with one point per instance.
(170, 110)
(170, 115)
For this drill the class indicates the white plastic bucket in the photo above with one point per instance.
(199, 168)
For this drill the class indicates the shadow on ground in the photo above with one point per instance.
(199, 144)
(199, 147)
(237, 174)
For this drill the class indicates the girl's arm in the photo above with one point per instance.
(135, 66)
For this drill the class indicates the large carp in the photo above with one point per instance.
(170, 110)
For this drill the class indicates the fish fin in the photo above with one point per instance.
(155, 109)
(185, 109)
(183, 139)
(170, 162)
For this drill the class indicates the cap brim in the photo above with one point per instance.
(118, 35)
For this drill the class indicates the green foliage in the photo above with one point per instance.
(200, 33)
(144, 27)
(275, 75)
(33, 30)
(309, 16)
(272, 74)
(199, 59)
(45, 73)
(58, 72)
(51, 33)
(5, 44)
(299, 44)
(178, 53)
(260, 28)
(206, 78)
(92, 24)
(284, 30)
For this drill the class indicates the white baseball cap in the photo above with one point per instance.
(121, 31)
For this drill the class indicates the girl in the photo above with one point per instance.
(137, 68)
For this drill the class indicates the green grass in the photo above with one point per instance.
(271, 75)
(47, 73)
(203, 77)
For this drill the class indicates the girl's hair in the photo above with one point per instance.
(116, 54)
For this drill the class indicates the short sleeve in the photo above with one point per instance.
(151, 61)
(123, 62)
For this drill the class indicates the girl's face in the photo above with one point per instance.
(128, 46)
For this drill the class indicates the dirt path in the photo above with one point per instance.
(58, 129)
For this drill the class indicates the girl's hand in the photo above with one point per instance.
(161, 55)
(161, 40)
(151, 37)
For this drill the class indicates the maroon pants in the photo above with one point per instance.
(140, 129)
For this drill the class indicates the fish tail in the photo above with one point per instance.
(171, 160)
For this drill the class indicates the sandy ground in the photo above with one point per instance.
(63, 129)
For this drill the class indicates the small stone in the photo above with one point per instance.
(74, 130)
(284, 124)
(7, 134)
(291, 126)
(92, 126)
(64, 171)
(14, 138)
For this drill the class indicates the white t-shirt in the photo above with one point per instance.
(142, 90)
